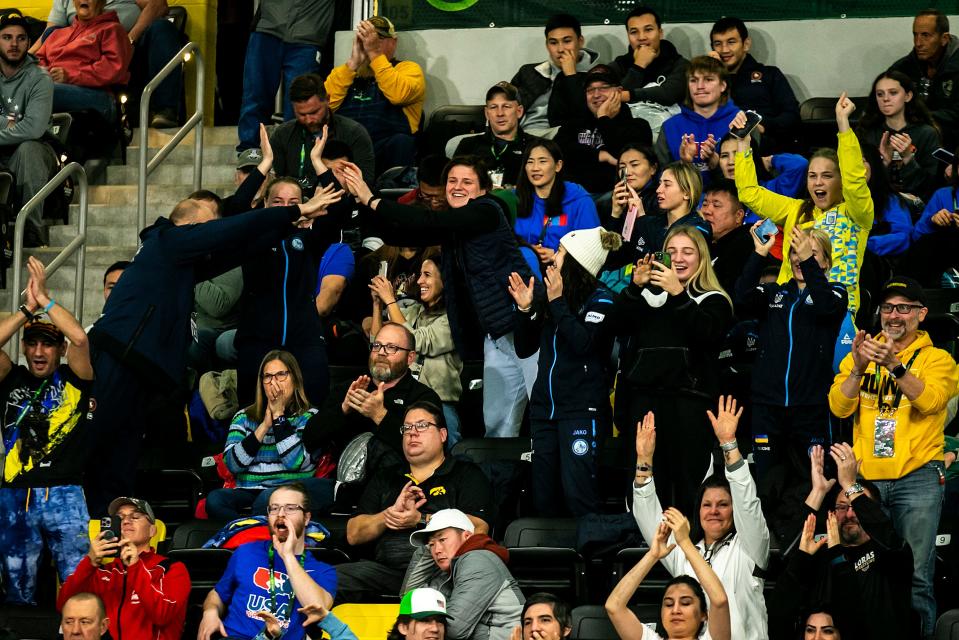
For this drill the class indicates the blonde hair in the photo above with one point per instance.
(704, 279)
(688, 180)
(822, 238)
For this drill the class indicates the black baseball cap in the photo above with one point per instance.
(505, 88)
(903, 286)
(601, 73)
(13, 18)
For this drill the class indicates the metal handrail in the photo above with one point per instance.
(78, 243)
(189, 50)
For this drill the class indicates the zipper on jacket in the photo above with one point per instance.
(123, 597)
(789, 355)
(286, 275)
(552, 402)
(139, 329)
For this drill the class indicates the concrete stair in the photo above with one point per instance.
(111, 213)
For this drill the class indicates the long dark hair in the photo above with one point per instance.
(298, 402)
(878, 183)
(647, 152)
(818, 608)
(578, 283)
(762, 174)
(697, 590)
(526, 192)
(434, 255)
(915, 111)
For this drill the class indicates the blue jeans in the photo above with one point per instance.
(72, 98)
(452, 417)
(914, 503)
(267, 57)
(28, 517)
(155, 47)
(507, 383)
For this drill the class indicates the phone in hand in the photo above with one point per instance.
(110, 528)
(944, 156)
(622, 175)
(752, 121)
(663, 258)
(384, 267)
(766, 230)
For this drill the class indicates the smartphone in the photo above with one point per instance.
(622, 175)
(663, 258)
(752, 120)
(384, 267)
(766, 230)
(944, 156)
(110, 527)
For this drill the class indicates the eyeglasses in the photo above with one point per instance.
(286, 509)
(423, 197)
(390, 348)
(419, 427)
(842, 508)
(279, 376)
(901, 309)
(598, 89)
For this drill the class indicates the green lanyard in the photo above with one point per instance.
(273, 580)
(15, 430)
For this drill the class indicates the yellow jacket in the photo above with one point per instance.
(403, 85)
(919, 424)
(848, 224)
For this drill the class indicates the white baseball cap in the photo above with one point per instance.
(442, 519)
(423, 603)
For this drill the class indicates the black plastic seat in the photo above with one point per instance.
(543, 557)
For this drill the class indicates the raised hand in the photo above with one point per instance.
(726, 419)
(101, 548)
(313, 613)
(643, 56)
(554, 283)
(819, 483)
(659, 546)
(807, 540)
(646, 437)
(316, 153)
(323, 198)
(643, 270)
(847, 467)
(273, 628)
(860, 360)
(844, 108)
(360, 384)
(832, 530)
(266, 150)
(688, 148)
(611, 106)
(521, 292)
(762, 248)
(801, 242)
(355, 183)
(383, 289)
(678, 523)
(666, 278)
(739, 121)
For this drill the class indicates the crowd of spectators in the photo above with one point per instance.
(640, 255)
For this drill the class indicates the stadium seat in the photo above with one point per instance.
(173, 493)
(590, 621)
(177, 15)
(818, 116)
(59, 128)
(651, 590)
(29, 623)
(193, 534)
(480, 450)
(947, 626)
(368, 621)
(452, 120)
(470, 405)
(505, 463)
(942, 301)
(206, 567)
(330, 556)
(543, 557)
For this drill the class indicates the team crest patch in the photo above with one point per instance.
(757, 76)
(438, 491)
(580, 447)
(297, 243)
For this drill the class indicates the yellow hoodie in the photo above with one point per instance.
(404, 85)
(847, 224)
(919, 424)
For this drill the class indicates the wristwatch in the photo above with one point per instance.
(853, 489)
(898, 371)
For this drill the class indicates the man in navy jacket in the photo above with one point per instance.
(140, 342)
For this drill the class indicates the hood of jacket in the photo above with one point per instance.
(724, 113)
(573, 193)
(668, 54)
(922, 341)
(589, 58)
(27, 69)
(482, 542)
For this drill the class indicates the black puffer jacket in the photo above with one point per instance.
(667, 72)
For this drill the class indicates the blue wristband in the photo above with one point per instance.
(49, 306)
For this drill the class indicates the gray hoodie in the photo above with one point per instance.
(28, 97)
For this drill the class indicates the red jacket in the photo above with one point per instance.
(93, 54)
(144, 601)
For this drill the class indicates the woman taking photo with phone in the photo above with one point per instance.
(839, 201)
(569, 407)
(899, 124)
(683, 613)
(548, 207)
(678, 315)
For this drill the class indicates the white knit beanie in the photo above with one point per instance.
(591, 246)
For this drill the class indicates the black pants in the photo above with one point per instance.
(366, 580)
(311, 358)
(565, 461)
(782, 437)
(684, 440)
(121, 398)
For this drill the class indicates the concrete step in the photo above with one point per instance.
(180, 175)
(211, 136)
(183, 154)
(160, 198)
(108, 235)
